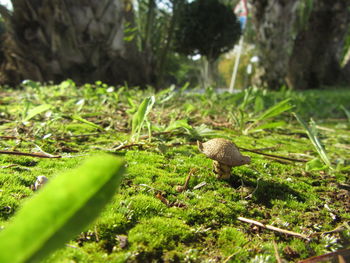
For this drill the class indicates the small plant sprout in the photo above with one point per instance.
(312, 134)
(140, 117)
(40, 181)
(225, 155)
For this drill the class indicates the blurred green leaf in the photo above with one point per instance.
(166, 94)
(201, 131)
(258, 104)
(31, 83)
(61, 210)
(78, 118)
(67, 84)
(36, 111)
(315, 165)
(177, 125)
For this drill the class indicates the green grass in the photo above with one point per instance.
(199, 224)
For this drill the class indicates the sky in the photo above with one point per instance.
(6, 3)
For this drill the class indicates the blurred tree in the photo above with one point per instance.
(2, 32)
(301, 42)
(319, 47)
(156, 20)
(84, 40)
(207, 28)
(274, 22)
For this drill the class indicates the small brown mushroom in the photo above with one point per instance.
(225, 155)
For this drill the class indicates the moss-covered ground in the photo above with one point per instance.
(148, 219)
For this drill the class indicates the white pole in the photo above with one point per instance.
(235, 68)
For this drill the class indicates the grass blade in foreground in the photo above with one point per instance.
(315, 141)
(61, 210)
(140, 116)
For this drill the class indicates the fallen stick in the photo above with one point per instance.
(274, 156)
(66, 136)
(8, 166)
(287, 232)
(277, 255)
(181, 188)
(39, 155)
(9, 137)
(230, 256)
(340, 255)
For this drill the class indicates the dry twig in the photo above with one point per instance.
(185, 186)
(39, 155)
(276, 229)
(277, 255)
(229, 257)
(163, 199)
(126, 146)
(8, 166)
(273, 155)
(341, 256)
(9, 138)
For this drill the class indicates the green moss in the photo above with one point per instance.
(231, 242)
(159, 233)
(143, 206)
(89, 253)
(211, 209)
(111, 224)
(197, 225)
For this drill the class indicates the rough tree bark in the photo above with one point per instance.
(51, 40)
(274, 24)
(317, 54)
(301, 58)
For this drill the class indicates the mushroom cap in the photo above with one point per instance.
(223, 151)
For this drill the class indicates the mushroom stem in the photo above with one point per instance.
(223, 171)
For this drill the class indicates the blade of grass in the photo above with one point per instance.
(315, 141)
(178, 124)
(61, 210)
(36, 111)
(347, 112)
(275, 110)
(78, 118)
(269, 125)
(166, 94)
(198, 132)
(140, 116)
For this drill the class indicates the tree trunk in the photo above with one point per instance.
(274, 22)
(208, 72)
(317, 54)
(160, 67)
(51, 40)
